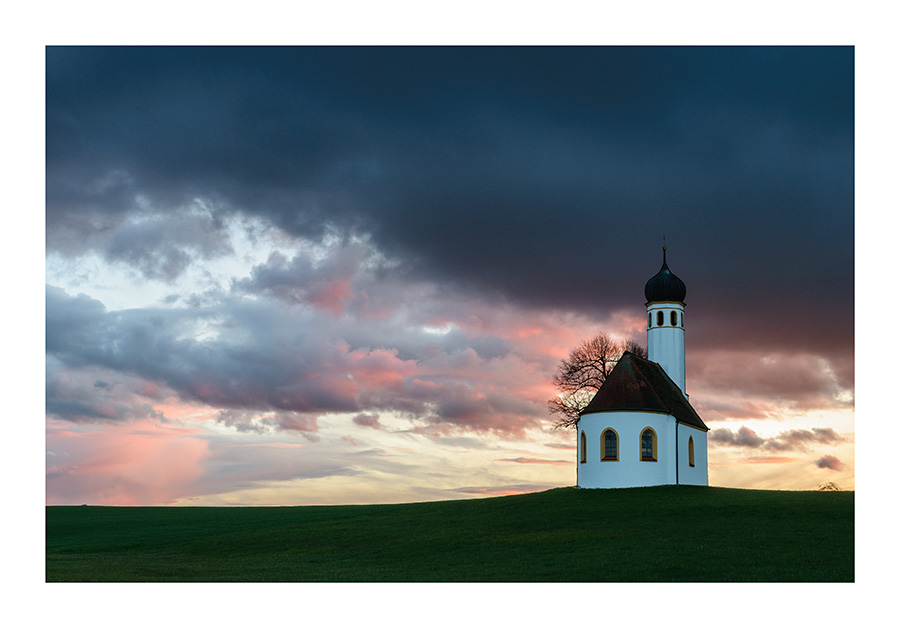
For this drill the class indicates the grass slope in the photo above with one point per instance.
(669, 533)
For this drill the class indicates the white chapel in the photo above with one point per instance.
(640, 428)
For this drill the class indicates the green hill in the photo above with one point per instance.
(668, 533)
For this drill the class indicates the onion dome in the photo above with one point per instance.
(664, 286)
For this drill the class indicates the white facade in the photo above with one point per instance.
(692, 465)
(665, 338)
(629, 468)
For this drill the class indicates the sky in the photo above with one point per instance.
(325, 275)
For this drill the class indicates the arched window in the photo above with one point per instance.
(583, 447)
(648, 445)
(649, 319)
(659, 318)
(691, 451)
(610, 445)
(682, 319)
(673, 318)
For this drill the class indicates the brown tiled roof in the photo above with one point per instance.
(638, 384)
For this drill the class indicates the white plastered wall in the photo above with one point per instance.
(629, 470)
(699, 473)
(665, 342)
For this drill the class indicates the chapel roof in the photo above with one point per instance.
(664, 285)
(636, 384)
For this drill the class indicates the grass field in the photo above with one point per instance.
(658, 534)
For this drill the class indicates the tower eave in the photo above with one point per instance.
(681, 303)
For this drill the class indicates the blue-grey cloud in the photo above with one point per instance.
(830, 462)
(435, 181)
(538, 174)
(267, 367)
(796, 440)
(367, 420)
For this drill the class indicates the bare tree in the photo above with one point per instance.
(637, 349)
(579, 377)
(828, 485)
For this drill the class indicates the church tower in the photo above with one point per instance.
(665, 322)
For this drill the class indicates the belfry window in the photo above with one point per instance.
(682, 319)
(648, 445)
(691, 451)
(649, 319)
(659, 319)
(610, 445)
(583, 447)
(674, 319)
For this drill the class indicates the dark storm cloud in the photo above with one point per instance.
(547, 175)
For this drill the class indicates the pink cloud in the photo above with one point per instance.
(717, 406)
(144, 463)
(332, 295)
(380, 368)
(294, 421)
(150, 389)
(726, 379)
